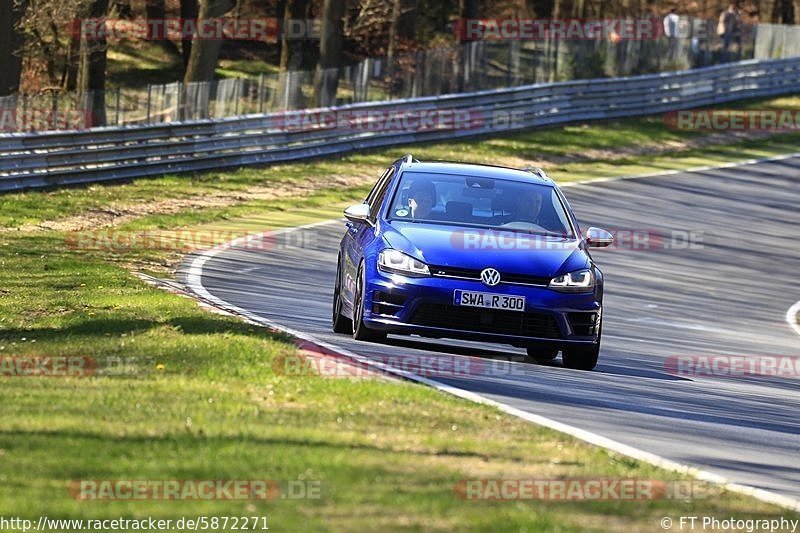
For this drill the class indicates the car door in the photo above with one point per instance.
(359, 235)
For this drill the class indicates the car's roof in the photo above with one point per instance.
(480, 171)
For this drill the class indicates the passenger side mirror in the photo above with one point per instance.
(598, 238)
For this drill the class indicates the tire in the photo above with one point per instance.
(542, 354)
(584, 357)
(360, 331)
(339, 322)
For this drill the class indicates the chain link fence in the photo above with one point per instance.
(470, 66)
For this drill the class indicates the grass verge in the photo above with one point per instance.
(198, 397)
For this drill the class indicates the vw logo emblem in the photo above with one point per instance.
(490, 277)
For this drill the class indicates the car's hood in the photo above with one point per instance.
(472, 248)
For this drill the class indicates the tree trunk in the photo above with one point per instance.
(123, 9)
(154, 10)
(541, 8)
(401, 25)
(189, 9)
(70, 77)
(11, 41)
(205, 52)
(783, 12)
(92, 70)
(467, 9)
(326, 78)
(293, 52)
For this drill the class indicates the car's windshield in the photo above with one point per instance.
(480, 202)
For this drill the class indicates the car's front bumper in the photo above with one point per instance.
(424, 306)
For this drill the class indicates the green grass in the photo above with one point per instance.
(203, 401)
(200, 398)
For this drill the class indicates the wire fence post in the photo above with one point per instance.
(149, 94)
(54, 105)
(178, 106)
(118, 98)
(24, 111)
(237, 93)
(261, 93)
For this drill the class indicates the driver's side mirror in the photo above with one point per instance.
(598, 238)
(357, 213)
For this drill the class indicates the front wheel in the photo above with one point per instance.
(581, 358)
(360, 331)
(339, 322)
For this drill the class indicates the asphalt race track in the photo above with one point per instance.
(728, 296)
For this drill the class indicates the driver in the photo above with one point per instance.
(529, 205)
(421, 199)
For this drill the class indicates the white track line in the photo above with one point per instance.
(746, 162)
(792, 316)
(194, 280)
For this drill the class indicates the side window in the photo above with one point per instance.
(383, 187)
(377, 187)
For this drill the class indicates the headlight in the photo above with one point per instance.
(573, 281)
(400, 263)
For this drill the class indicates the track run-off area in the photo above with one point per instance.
(728, 293)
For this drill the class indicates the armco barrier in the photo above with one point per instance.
(48, 159)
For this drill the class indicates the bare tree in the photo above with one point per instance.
(11, 42)
(50, 44)
(69, 79)
(189, 9)
(467, 9)
(293, 57)
(154, 10)
(205, 52)
(401, 26)
(92, 68)
(326, 77)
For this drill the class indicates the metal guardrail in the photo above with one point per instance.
(49, 159)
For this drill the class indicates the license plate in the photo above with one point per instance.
(489, 300)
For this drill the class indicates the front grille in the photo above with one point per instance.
(487, 320)
(465, 273)
(583, 323)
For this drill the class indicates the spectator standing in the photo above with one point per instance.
(671, 22)
(729, 28)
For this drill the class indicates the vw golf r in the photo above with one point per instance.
(474, 252)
